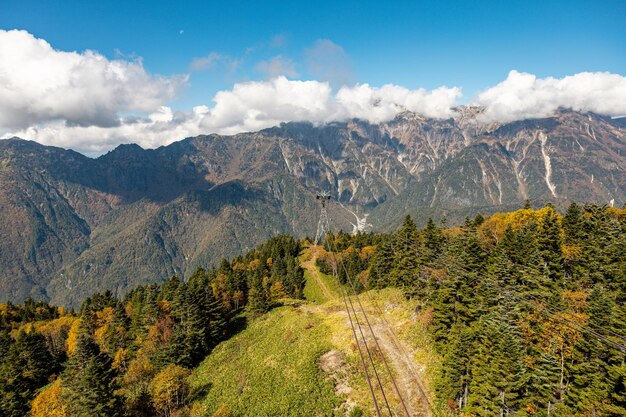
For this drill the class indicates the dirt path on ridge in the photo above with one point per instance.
(310, 266)
(405, 369)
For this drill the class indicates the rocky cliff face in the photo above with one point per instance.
(72, 225)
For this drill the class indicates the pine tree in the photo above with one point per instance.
(26, 368)
(117, 334)
(5, 344)
(258, 297)
(169, 287)
(294, 281)
(527, 205)
(497, 367)
(88, 384)
(549, 240)
(572, 224)
(381, 265)
(541, 384)
(406, 258)
(199, 321)
(150, 306)
(592, 380)
(454, 383)
(433, 241)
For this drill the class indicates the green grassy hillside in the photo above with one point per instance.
(301, 359)
(270, 369)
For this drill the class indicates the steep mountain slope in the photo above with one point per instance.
(72, 225)
(568, 157)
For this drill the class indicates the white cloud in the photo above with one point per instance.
(84, 100)
(279, 40)
(276, 66)
(205, 62)
(523, 95)
(212, 60)
(327, 61)
(259, 104)
(251, 106)
(39, 84)
(159, 128)
(382, 104)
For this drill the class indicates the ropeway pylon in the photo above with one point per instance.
(323, 225)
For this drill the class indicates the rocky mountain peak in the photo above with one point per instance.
(73, 222)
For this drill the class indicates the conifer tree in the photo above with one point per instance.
(456, 376)
(572, 224)
(294, 281)
(116, 336)
(549, 240)
(258, 297)
(497, 368)
(199, 321)
(25, 369)
(433, 240)
(382, 264)
(169, 287)
(88, 384)
(5, 344)
(527, 205)
(406, 258)
(541, 384)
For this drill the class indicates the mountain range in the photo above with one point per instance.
(72, 225)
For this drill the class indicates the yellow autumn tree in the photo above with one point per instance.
(219, 287)
(367, 252)
(170, 390)
(492, 229)
(254, 264)
(120, 360)
(137, 378)
(277, 291)
(571, 252)
(103, 318)
(48, 402)
(72, 337)
(56, 331)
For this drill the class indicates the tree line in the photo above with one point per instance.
(527, 309)
(131, 356)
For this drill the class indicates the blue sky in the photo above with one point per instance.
(471, 44)
(89, 75)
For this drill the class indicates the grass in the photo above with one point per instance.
(313, 290)
(270, 369)
(410, 326)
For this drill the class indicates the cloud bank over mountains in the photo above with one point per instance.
(524, 96)
(89, 103)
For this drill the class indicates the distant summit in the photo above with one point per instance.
(73, 225)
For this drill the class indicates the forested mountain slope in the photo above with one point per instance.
(72, 225)
(527, 308)
(519, 313)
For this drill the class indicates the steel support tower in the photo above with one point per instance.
(323, 225)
